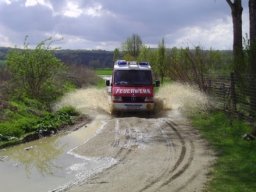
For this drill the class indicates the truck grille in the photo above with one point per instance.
(133, 99)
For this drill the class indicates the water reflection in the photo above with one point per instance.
(39, 155)
(50, 163)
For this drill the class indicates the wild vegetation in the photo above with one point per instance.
(235, 165)
(90, 58)
(31, 80)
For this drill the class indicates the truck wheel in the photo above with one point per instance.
(114, 113)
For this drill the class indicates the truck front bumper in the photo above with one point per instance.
(132, 106)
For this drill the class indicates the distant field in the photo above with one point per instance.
(105, 71)
(2, 62)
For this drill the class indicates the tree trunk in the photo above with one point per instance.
(252, 16)
(236, 11)
(252, 56)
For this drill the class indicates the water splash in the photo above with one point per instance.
(86, 101)
(183, 97)
(173, 96)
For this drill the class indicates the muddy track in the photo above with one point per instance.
(161, 154)
(168, 175)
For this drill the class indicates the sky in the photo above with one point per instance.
(106, 24)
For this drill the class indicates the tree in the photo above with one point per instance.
(236, 12)
(252, 17)
(132, 46)
(34, 69)
(144, 54)
(252, 54)
(162, 59)
(116, 54)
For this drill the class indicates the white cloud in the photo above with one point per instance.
(101, 24)
(8, 2)
(75, 42)
(217, 35)
(72, 9)
(94, 11)
(5, 41)
(31, 3)
(108, 45)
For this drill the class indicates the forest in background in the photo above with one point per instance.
(96, 58)
(90, 58)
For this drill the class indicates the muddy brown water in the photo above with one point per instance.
(49, 163)
(115, 153)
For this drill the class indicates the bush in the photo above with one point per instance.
(68, 110)
(53, 121)
(81, 76)
(34, 69)
(26, 123)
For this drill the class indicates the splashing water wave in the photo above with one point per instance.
(173, 96)
(86, 100)
(183, 97)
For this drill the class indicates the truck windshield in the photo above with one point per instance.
(132, 77)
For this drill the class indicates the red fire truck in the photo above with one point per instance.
(132, 87)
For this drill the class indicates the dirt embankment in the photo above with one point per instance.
(162, 153)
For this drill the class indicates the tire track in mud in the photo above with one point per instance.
(163, 173)
(117, 141)
(127, 147)
(169, 170)
(190, 180)
(166, 171)
(122, 153)
(184, 151)
(175, 169)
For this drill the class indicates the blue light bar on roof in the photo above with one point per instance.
(122, 63)
(145, 64)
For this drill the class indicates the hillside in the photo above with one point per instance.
(90, 58)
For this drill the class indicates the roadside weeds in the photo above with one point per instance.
(235, 166)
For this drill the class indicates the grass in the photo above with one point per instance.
(101, 83)
(18, 115)
(29, 116)
(235, 169)
(104, 71)
(2, 62)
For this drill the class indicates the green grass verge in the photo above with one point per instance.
(101, 83)
(2, 63)
(29, 116)
(235, 169)
(104, 71)
(20, 114)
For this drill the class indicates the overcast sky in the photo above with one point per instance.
(105, 24)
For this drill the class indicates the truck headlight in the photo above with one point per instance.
(116, 98)
(149, 99)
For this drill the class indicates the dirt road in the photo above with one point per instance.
(162, 153)
(153, 154)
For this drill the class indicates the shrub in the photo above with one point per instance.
(81, 76)
(34, 69)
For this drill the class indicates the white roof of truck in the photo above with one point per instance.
(128, 65)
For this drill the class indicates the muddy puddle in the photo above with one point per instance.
(50, 164)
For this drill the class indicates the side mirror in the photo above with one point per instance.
(107, 82)
(157, 83)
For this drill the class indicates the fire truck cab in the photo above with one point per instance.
(132, 87)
